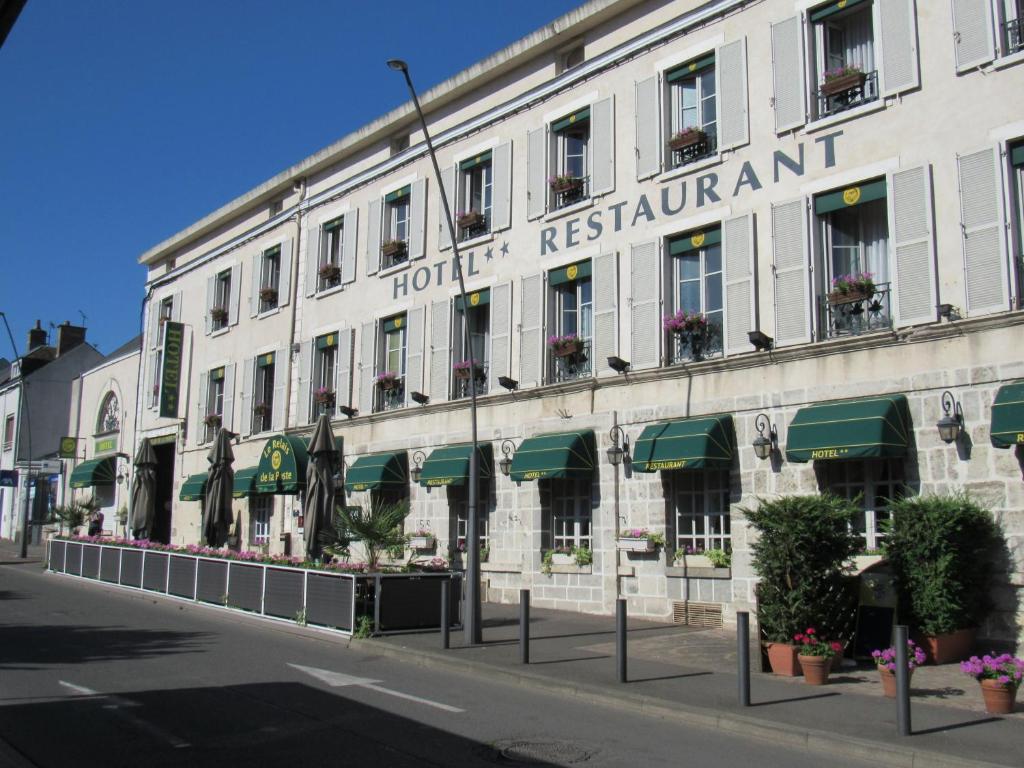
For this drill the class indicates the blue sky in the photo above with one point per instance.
(126, 121)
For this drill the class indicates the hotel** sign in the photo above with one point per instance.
(170, 377)
(105, 445)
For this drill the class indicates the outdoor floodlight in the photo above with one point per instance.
(507, 383)
(617, 364)
(348, 410)
(762, 341)
(420, 398)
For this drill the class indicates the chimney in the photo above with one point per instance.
(68, 337)
(36, 337)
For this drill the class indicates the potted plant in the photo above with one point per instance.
(464, 371)
(842, 79)
(387, 380)
(691, 328)
(219, 314)
(421, 539)
(569, 345)
(562, 183)
(323, 396)
(940, 550)
(800, 554)
(885, 660)
(816, 655)
(329, 272)
(639, 540)
(212, 420)
(269, 295)
(393, 248)
(469, 219)
(485, 551)
(850, 288)
(686, 138)
(1000, 677)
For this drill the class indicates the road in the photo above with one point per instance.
(96, 675)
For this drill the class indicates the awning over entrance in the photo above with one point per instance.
(1008, 416)
(850, 429)
(450, 465)
(556, 455)
(94, 472)
(245, 483)
(377, 471)
(698, 443)
(193, 488)
(282, 467)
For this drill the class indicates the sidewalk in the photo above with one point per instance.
(688, 674)
(10, 553)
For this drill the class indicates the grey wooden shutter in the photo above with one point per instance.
(912, 246)
(536, 173)
(501, 335)
(645, 305)
(248, 366)
(791, 265)
(153, 380)
(153, 326)
(414, 339)
(284, 281)
(175, 309)
(228, 406)
(440, 347)
(648, 127)
(204, 390)
(731, 72)
(350, 236)
(602, 146)
(448, 183)
(367, 345)
(501, 187)
(973, 40)
(981, 227)
(899, 46)
(312, 258)
(418, 220)
(211, 291)
(373, 219)
(236, 294)
(343, 370)
(254, 295)
(740, 287)
(531, 332)
(305, 385)
(281, 372)
(788, 74)
(606, 312)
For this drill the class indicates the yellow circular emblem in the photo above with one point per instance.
(841, 4)
(398, 322)
(572, 118)
(697, 240)
(330, 340)
(851, 195)
(474, 299)
(275, 460)
(67, 445)
(572, 271)
(693, 65)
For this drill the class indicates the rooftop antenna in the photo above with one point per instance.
(49, 334)
(83, 317)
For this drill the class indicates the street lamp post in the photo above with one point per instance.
(471, 621)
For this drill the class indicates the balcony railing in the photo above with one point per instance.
(831, 102)
(574, 366)
(694, 152)
(393, 254)
(1013, 32)
(461, 388)
(693, 347)
(390, 399)
(579, 190)
(478, 228)
(859, 314)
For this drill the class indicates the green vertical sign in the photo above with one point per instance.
(170, 377)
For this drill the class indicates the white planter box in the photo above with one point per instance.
(421, 542)
(694, 561)
(635, 545)
(562, 559)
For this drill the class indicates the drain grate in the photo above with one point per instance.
(540, 753)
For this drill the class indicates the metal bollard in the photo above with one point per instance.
(902, 680)
(743, 656)
(620, 638)
(524, 626)
(446, 588)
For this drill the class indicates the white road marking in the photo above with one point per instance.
(81, 690)
(339, 680)
(120, 707)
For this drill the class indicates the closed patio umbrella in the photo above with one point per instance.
(320, 488)
(144, 490)
(217, 517)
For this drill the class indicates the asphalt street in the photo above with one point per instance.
(95, 675)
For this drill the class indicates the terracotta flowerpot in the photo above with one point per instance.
(999, 699)
(687, 140)
(465, 374)
(816, 669)
(889, 681)
(568, 185)
(783, 659)
(471, 219)
(393, 248)
(849, 297)
(569, 349)
(843, 84)
(955, 646)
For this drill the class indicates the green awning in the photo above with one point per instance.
(698, 443)
(569, 120)
(473, 162)
(378, 470)
(693, 241)
(1008, 416)
(193, 488)
(576, 271)
(282, 467)
(94, 472)
(849, 196)
(690, 68)
(245, 482)
(556, 455)
(450, 465)
(824, 11)
(850, 429)
(476, 299)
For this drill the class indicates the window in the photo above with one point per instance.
(214, 403)
(854, 256)
(475, 197)
(9, 432)
(873, 483)
(325, 367)
(270, 279)
(569, 513)
(261, 509)
(570, 180)
(395, 246)
(701, 509)
(263, 393)
(1012, 26)
(571, 342)
(479, 317)
(842, 37)
(390, 381)
(158, 362)
(109, 419)
(1016, 152)
(693, 115)
(459, 496)
(166, 311)
(696, 317)
(573, 57)
(329, 263)
(220, 310)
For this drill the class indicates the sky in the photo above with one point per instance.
(123, 122)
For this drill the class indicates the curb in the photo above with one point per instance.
(823, 742)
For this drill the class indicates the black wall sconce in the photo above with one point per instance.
(417, 468)
(952, 421)
(765, 444)
(505, 465)
(616, 452)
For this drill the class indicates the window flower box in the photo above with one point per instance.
(393, 249)
(847, 289)
(563, 184)
(638, 540)
(324, 396)
(421, 540)
(329, 272)
(463, 371)
(388, 380)
(686, 138)
(268, 295)
(219, 314)
(469, 219)
(841, 80)
(570, 345)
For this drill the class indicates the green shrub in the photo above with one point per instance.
(804, 544)
(940, 549)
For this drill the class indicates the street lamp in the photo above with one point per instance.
(505, 465)
(764, 444)
(617, 452)
(417, 468)
(952, 422)
(471, 623)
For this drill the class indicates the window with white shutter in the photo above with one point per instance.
(570, 180)
(645, 306)
(247, 424)
(324, 375)
(500, 316)
(536, 173)
(373, 237)
(396, 228)
(343, 377)
(389, 385)
(531, 330)
(692, 119)
(739, 262)
(280, 387)
(303, 410)
(475, 207)
(648, 136)
(284, 273)
(440, 349)
(1011, 27)
(973, 42)
(329, 255)
(791, 267)
(844, 56)
(606, 319)
(468, 374)
(264, 371)
(367, 367)
(570, 346)
(414, 353)
(788, 74)
(913, 246)
(981, 227)
(266, 281)
(695, 318)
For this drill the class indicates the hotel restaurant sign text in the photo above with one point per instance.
(170, 378)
